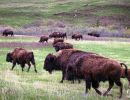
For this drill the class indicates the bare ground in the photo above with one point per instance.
(23, 44)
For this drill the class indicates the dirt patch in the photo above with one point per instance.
(33, 45)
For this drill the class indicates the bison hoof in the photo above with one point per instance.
(107, 95)
(61, 81)
(36, 71)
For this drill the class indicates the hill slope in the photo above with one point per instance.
(19, 13)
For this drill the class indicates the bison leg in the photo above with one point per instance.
(14, 63)
(88, 82)
(33, 62)
(63, 75)
(95, 85)
(118, 83)
(29, 65)
(35, 68)
(88, 86)
(111, 83)
(22, 66)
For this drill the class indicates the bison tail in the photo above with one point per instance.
(126, 68)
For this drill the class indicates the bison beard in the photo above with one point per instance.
(22, 57)
(95, 68)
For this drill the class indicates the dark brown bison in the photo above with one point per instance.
(77, 36)
(7, 32)
(58, 35)
(94, 69)
(61, 59)
(43, 39)
(56, 40)
(94, 34)
(62, 45)
(62, 35)
(22, 57)
(54, 35)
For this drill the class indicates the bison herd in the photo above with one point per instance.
(74, 64)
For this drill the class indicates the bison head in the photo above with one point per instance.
(9, 57)
(49, 63)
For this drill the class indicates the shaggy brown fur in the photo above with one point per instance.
(77, 36)
(56, 40)
(62, 45)
(22, 57)
(60, 60)
(95, 68)
(43, 39)
(7, 32)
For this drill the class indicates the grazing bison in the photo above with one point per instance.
(43, 39)
(54, 35)
(56, 40)
(62, 35)
(77, 36)
(22, 57)
(94, 69)
(58, 35)
(61, 60)
(61, 45)
(94, 34)
(7, 32)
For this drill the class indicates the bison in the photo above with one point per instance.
(22, 57)
(56, 40)
(53, 35)
(62, 35)
(61, 59)
(7, 32)
(58, 35)
(77, 36)
(94, 34)
(43, 39)
(96, 68)
(62, 45)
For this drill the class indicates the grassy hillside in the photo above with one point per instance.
(18, 13)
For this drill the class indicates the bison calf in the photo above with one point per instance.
(22, 57)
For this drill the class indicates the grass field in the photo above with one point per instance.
(18, 13)
(18, 85)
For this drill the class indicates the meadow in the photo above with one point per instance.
(18, 85)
